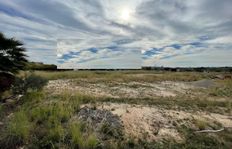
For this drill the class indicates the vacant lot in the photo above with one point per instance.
(122, 109)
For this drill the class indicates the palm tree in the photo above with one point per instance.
(12, 57)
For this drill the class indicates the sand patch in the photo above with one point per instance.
(153, 123)
(120, 89)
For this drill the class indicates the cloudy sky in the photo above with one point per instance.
(167, 32)
(79, 54)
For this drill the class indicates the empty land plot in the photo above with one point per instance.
(125, 109)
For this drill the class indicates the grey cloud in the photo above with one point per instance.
(217, 9)
(53, 11)
(174, 15)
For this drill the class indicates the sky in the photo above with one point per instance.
(79, 54)
(173, 33)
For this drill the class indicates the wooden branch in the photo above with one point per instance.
(209, 131)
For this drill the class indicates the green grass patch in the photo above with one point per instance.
(42, 121)
(81, 139)
(123, 76)
(179, 102)
(225, 89)
(17, 130)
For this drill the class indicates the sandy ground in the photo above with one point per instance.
(154, 123)
(151, 123)
(123, 90)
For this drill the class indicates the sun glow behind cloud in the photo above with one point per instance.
(125, 14)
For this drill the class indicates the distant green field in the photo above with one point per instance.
(130, 75)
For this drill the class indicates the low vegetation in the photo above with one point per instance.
(127, 76)
(225, 90)
(44, 119)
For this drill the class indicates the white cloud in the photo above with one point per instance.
(208, 58)
(148, 24)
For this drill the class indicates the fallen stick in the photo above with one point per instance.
(209, 131)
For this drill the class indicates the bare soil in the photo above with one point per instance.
(122, 90)
(147, 122)
(155, 123)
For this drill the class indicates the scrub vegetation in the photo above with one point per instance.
(56, 110)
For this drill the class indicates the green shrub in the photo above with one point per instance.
(35, 82)
(17, 131)
(31, 82)
(19, 86)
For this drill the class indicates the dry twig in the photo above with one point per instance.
(210, 131)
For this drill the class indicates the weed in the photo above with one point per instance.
(91, 142)
(51, 113)
(17, 131)
(77, 139)
(200, 124)
(224, 91)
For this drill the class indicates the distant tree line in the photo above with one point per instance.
(40, 66)
(190, 69)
